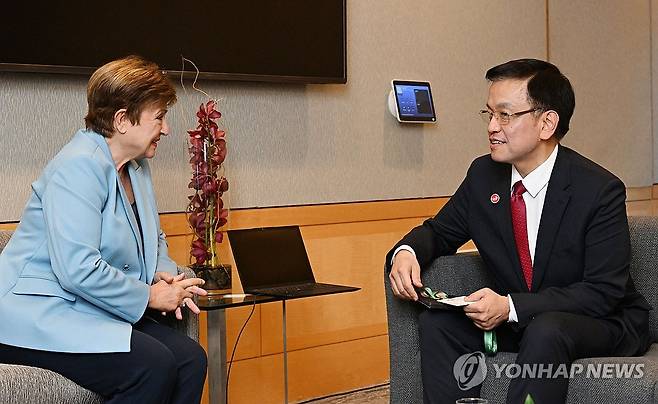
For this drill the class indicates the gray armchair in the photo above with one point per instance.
(463, 273)
(25, 384)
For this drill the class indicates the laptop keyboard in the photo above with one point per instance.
(296, 289)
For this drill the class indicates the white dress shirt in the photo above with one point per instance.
(535, 183)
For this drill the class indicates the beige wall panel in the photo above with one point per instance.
(604, 48)
(179, 248)
(250, 342)
(638, 194)
(313, 372)
(638, 201)
(639, 208)
(175, 223)
(258, 380)
(295, 144)
(347, 366)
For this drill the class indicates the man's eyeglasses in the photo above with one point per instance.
(503, 118)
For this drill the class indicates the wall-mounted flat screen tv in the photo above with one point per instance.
(258, 40)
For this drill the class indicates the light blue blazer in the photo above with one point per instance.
(75, 275)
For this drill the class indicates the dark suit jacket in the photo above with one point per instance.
(582, 254)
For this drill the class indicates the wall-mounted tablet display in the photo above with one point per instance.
(413, 101)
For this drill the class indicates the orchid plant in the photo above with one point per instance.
(206, 212)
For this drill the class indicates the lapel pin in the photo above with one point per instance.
(495, 198)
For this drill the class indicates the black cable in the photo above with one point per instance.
(230, 362)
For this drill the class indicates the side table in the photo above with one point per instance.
(215, 306)
(217, 337)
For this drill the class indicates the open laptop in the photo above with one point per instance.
(272, 261)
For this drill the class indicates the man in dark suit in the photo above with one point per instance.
(551, 227)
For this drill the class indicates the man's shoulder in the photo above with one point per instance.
(484, 160)
(585, 170)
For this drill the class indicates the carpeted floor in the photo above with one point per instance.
(374, 395)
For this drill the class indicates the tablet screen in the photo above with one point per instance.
(414, 101)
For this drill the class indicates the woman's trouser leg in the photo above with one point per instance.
(153, 371)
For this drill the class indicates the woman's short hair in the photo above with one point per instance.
(132, 83)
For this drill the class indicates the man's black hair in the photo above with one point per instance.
(548, 88)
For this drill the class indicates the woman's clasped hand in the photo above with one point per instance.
(171, 293)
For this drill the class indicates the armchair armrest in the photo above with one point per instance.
(454, 274)
(5, 235)
(459, 274)
(26, 384)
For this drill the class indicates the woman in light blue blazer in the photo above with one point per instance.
(89, 262)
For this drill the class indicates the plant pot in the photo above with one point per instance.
(217, 278)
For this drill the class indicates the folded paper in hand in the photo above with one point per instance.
(439, 300)
(455, 301)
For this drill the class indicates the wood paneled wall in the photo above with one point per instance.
(336, 343)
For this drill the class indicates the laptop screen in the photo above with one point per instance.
(270, 256)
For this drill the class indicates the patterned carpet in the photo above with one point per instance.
(373, 395)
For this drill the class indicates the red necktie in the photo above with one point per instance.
(519, 223)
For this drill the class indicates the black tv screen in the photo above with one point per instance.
(261, 40)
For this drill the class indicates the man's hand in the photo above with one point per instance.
(405, 274)
(489, 310)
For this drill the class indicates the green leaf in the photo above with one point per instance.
(529, 400)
